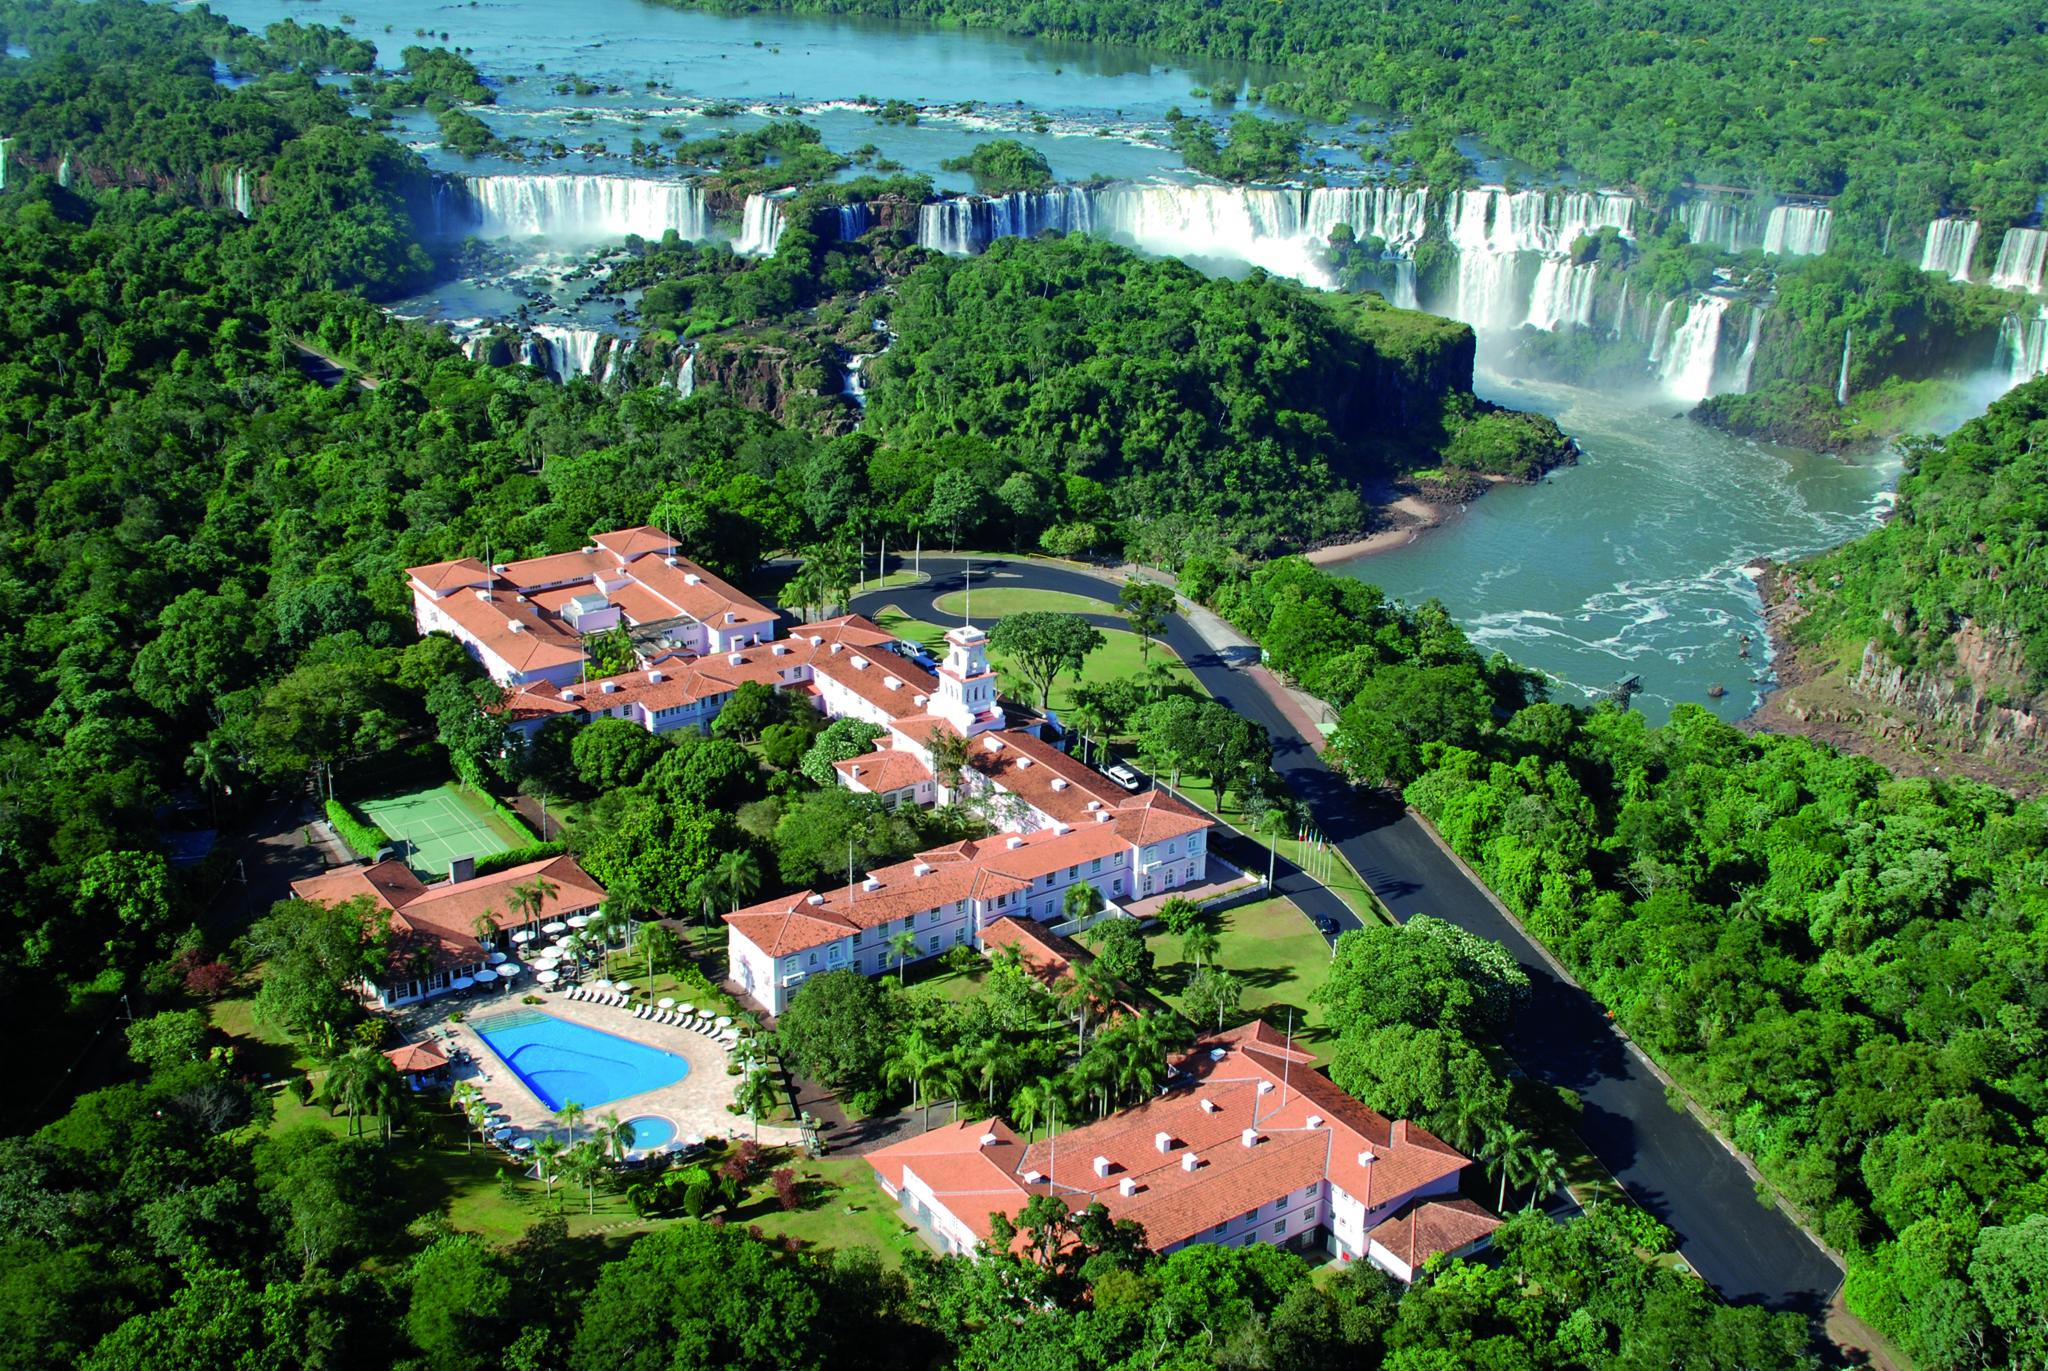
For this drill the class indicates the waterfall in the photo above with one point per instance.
(1660, 338)
(1842, 380)
(4, 142)
(64, 172)
(2022, 348)
(1563, 294)
(569, 352)
(1687, 367)
(1726, 224)
(1394, 214)
(570, 208)
(1746, 364)
(684, 381)
(854, 220)
(1620, 312)
(761, 224)
(1951, 243)
(1404, 284)
(1798, 230)
(855, 387)
(968, 225)
(2020, 259)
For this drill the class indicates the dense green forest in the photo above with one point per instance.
(1899, 107)
(1843, 967)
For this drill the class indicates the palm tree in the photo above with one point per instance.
(1509, 1154)
(485, 926)
(902, 946)
(570, 1114)
(547, 1159)
(756, 1096)
(1088, 989)
(352, 1083)
(1033, 1103)
(1096, 1073)
(584, 1163)
(614, 1135)
(1199, 944)
(1545, 1176)
(702, 891)
(739, 875)
(915, 1060)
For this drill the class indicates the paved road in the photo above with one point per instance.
(1671, 1164)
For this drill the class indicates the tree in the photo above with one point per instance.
(1199, 944)
(1429, 1075)
(948, 751)
(915, 1060)
(169, 1039)
(361, 1081)
(957, 498)
(570, 1115)
(1513, 1154)
(1204, 737)
(458, 1301)
(610, 753)
(1043, 645)
(841, 740)
(547, 1160)
(1212, 993)
(833, 1030)
(756, 1095)
(1179, 914)
(1081, 901)
(1381, 732)
(1121, 953)
(610, 653)
(312, 957)
(704, 1299)
(2009, 1272)
(127, 894)
(738, 872)
(584, 1164)
(751, 707)
(1427, 973)
(903, 947)
(1146, 604)
(469, 722)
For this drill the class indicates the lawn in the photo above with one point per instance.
(1119, 658)
(890, 619)
(995, 601)
(1327, 866)
(1273, 949)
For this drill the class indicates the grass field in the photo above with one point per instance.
(434, 827)
(994, 601)
(1273, 949)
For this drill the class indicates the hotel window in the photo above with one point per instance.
(1171, 849)
(1279, 1228)
(856, 940)
(1096, 865)
(959, 906)
(933, 946)
(1308, 1215)
(814, 959)
(1072, 872)
(1221, 1226)
(960, 935)
(1280, 1203)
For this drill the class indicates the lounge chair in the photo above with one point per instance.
(640, 1011)
(620, 1001)
(671, 1018)
(574, 992)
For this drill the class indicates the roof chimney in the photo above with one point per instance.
(989, 1140)
(817, 639)
(1250, 1137)
(1033, 1177)
(860, 663)
(1265, 1087)
(736, 658)
(1094, 805)
(1063, 829)
(856, 768)
(610, 687)
(1013, 842)
(671, 561)
(484, 595)
(1366, 1158)
(1102, 1166)
(1210, 1106)
(655, 678)
(921, 869)
(1059, 783)
(1105, 817)
(1189, 1161)
(992, 743)
(781, 649)
(1127, 1187)
(1163, 1141)
(891, 683)
(871, 883)
(461, 869)
(691, 578)
(919, 700)
(515, 626)
(814, 899)
(1315, 1121)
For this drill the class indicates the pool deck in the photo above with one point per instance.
(695, 1104)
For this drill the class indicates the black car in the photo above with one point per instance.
(1326, 925)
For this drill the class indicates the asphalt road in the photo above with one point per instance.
(1671, 1164)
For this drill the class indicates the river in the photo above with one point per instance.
(1631, 563)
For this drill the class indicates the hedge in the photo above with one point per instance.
(364, 839)
(519, 856)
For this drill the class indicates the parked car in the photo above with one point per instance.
(1123, 776)
(1326, 925)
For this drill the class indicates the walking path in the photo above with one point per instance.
(1671, 1163)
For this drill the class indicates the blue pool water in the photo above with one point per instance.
(561, 1061)
(650, 1130)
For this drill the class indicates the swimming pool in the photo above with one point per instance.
(649, 1131)
(561, 1061)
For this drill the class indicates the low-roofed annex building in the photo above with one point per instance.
(433, 927)
(1249, 1144)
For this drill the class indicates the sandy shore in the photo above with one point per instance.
(1412, 517)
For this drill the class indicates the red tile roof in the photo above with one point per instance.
(884, 771)
(463, 571)
(1048, 779)
(1156, 815)
(628, 543)
(1046, 955)
(895, 685)
(1421, 1229)
(539, 642)
(441, 919)
(416, 1057)
(1207, 1120)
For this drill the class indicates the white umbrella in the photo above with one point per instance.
(486, 976)
(497, 957)
(548, 977)
(524, 935)
(686, 1009)
(556, 927)
(667, 1002)
(522, 1145)
(724, 1021)
(461, 983)
(503, 1132)
(579, 921)
(602, 984)
(622, 986)
(510, 969)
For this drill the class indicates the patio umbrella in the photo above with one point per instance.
(667, 1002)
(503, 1133)
(548, 977)
(686, 1009)
(510, 969)
(486, 976)
(556, 927)
(601, 984)
(579, 921)
(723, 1021)
(522, 1145)
(524, 935)
(461, 983)
(622, 986)
(497, 957)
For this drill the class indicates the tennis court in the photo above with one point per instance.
(433, 827)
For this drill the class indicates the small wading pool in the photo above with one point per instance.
(650, 1131)
(561, 1061)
